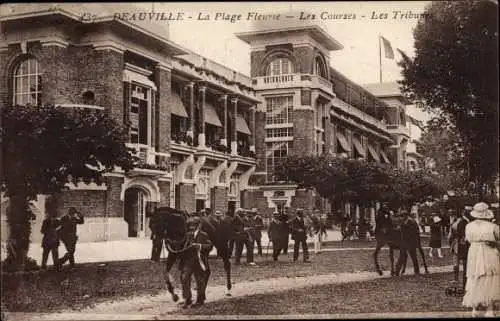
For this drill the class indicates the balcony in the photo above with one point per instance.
(293, 80)
(351, 110)
(398, 130)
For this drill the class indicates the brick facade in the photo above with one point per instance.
(186, 197)
(164, 193)
(303, 132)
(219, 199)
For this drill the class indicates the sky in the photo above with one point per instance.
(358, 60)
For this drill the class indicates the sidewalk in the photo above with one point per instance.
(134, 249)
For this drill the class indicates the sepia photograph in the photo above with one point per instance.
(249, 160)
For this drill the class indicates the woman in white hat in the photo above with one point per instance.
(436, 236)
(483, 262)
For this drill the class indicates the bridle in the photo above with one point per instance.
(184, 248)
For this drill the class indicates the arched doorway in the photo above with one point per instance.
(135, 201)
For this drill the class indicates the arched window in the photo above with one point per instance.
(319, 67)
(27, 83)
(279, 66)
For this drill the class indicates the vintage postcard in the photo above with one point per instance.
(249, 160)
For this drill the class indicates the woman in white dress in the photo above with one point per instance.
(483, 262)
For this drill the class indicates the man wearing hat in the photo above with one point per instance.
(247, 239)
(68, 236)
(299, 235)
(278, 234)
(240, 234)
(436, 236)
(258, 223)
(458, 243)
(195, 263)
(409, 242)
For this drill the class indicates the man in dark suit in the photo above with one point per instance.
(409, 242)
(299, 235)
(383, 220)
(195, 262)
(459, 245)
(247, 239)
(50, 240)
(258, 223)
(68, 236)
(278, 234)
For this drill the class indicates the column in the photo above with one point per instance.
(349, 141)
(191, 119)
(252, 128)
(234, 140)
(224, 112)
(201, 116)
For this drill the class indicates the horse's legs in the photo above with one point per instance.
(422, 254)
(171, 258)
(227, 268)
(375, 258)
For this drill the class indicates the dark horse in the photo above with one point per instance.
(393, 240)
(219, 231)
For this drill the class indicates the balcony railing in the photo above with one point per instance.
(398, 129)
(293, 80)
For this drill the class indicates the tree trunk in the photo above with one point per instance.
(18, 220)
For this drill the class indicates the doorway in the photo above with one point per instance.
(231, 206)
(200, 205)
(135, 211)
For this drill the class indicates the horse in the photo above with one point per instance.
(219, 231)
(393, 240)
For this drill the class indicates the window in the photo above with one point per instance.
(202, 184)
(279, 66)
(88, 98)
(319, 67)
(319, 131)
(279, 109)
(27, 87)
(275, 152)
(139, 114)
(234, 185)
(280, 132)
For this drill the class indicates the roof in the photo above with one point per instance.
(89, 13)
(281, 26)
(385, 90)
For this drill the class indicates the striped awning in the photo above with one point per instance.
(343, 142)
(211, 115)
(358, 147)
(178, 107)
(242, 126)
(384, 157)
(373, 153)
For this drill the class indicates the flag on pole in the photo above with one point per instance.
(388, 52)
(403, 54)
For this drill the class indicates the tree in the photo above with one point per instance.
(444, 154)
(358, 181)
(44, 149)
(455, 72)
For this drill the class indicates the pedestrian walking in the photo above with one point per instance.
(483, 261)
(436, 236)
(196, 264)
(319, 231)
(299, 235)
(409, 242)
(258, 223)
(383, 220)
(278, 234)
(68, 236)
(247, 240)
(50, 240)
(459, 245)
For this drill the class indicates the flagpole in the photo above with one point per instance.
(380, 57)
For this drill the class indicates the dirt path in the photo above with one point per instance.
(161, 305)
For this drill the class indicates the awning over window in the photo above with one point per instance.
(211, 115)
(343, 142)
(178, 107)
(241, 125)
(373, 153)
(359, 148)
(384, 157)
